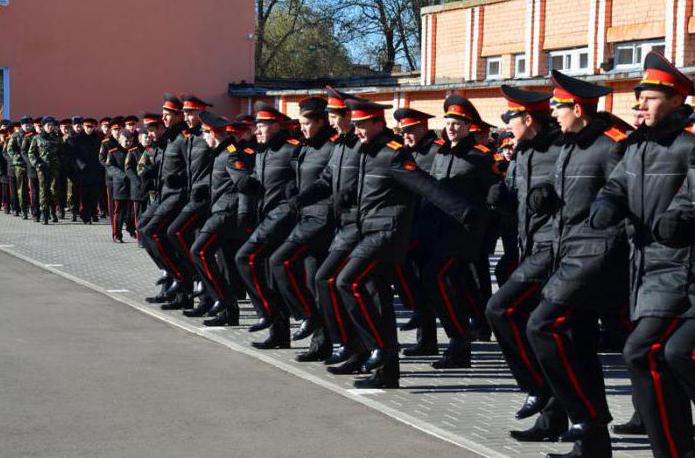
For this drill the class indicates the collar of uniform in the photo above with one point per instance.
(668, 128)
(321, 137)
(588, 135)
(224, 144)
(424, 145)
(548, 135)
(379, 142)
(463, 147)
(278, 140)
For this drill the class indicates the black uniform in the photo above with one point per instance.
(138, 195)
(588, 274)
(32, 176)
(294, 264)
(268, 181)
(661, 291)
(120, 186)
(88, 173)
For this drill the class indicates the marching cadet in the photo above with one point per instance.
(131, 125)
(148, 165)
(110, 142)
(88, 170)
(181, 232)
(44, 155)
(114, 163)
(11, 174)
(66, 168)
(295, 263)
(15, 151)
(384, 217)
(138, 194)
(32, 176)
(423, 144)
(589, 272)
(226, 228)
(657, 164)
(173, 197)
(537, 146)
(339, 179)
(69, 168)
(267, 183)
(4, 178)
(462, 170)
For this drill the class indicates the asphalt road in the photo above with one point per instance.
(82, 375)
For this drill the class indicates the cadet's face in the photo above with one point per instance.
(78, 128)
(209, 137)
(456, 130)
(105, 129)
(88, 129)
(413, 134)
(155, 132)
(170, 118)
(131, 128)
(192, 118)
(37, 128)
(64, 130)
(266, 130)
(48, 128)
(568, 117)
(519, 126)
(310, 127)
(368, 130)
(656, 105)
(115, 132)
(340, 123)
(26, 127)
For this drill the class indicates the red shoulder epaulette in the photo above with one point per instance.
(29, 134)
(440, 142)
(293, 141)
(690, 128)
(335, 137)
(105, 140)
(112, 150)
(482, 148)
(249, 150)
(133, 149)
(615, 133)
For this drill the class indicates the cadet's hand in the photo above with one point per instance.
(542, 199)
(495, 193)
(674, 228)
(295, 204)
(290, 189)
(604, 214)
(347, 198)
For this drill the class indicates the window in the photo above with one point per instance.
(494, 68)
(5, 92)
(520, 66)
(4, 2)
(631, 55)
(570, 61)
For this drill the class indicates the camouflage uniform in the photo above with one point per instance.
(44, 154)
(20, 167)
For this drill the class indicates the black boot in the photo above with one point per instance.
(632, 427)
(426, 339)
(456, 356)
(341, 354)
(162, 296)
(534, 403)
(261, 324)
(279, 335)
(304, 331)
(386, 376)
(594, 442)
(412, 323)
(319, 349)
(54, 216)
(182, 301)
(352, 365)
(229, 316)
(201, 309)
(74, 217)
(45, 218)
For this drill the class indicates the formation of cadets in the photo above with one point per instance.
(319, 220)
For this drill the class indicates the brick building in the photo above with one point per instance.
(472, 46)
(99, 57)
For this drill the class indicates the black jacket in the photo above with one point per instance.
(534, 164)
(86, 148)
(137, 188)
(173, 168)
(199, 159)
(384, 207)
(315, 224)
(641, 188)
(585, 258)
(115, 168)
(339, 179)
(456, 193)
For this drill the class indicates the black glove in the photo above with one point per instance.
(248, 185)
(347, 198)
(200, 194)
(295, 204)
(675, 228)
(543, 200)
(495, 193)
(290, 189)
(604, 214)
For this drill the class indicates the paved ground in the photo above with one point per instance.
(84, 375)
(472, 408)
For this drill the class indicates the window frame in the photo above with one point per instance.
(518, 74)
(5, 82)
(644, 45)
(575, 58)
(488, 61)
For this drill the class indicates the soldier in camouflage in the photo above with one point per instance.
(44, 155)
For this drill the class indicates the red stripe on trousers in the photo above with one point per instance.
(363, 306)
(658, 386)
(568, 367)
(162, 251)
(179, 235)
(287, 264)
(447, 302)
(203, 258)
(254, 278)
(406, 289)
(509, 313)
(113, 220)
(334, 299)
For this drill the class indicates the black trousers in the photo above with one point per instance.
(252, 260)
(182, 234)
(565, 340)
(118, 216)
(34, 189)
(217, 238)
(155, 231)
(365, 289)
(89, 194)
(335, 314)
(660, 356)
(294, 266)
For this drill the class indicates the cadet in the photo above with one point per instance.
(641, 188)
(15, 152)
(44, 155)
(88, 170)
